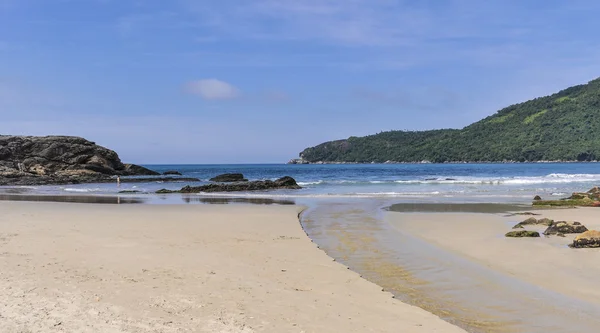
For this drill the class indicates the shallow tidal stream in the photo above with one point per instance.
(463, 292)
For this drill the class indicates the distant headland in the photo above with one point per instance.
(563, 127)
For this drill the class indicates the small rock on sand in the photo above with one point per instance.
(564, 227)
(534, 221)
(523, 233)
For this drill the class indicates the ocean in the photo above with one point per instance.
(494, 183)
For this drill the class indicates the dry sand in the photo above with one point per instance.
(137, 268)
(546, 261)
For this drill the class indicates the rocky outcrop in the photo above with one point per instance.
(229, 178)
(172, 173)
(59, 160)
(590, 198)
(137, 170)
(522, 233)
(534, 221)
(590, 238)
(537, 198)
(298, 161)
(563, 227)
(259, 185)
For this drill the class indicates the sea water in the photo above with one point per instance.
(512, 183)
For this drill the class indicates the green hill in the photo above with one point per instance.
(564, 126)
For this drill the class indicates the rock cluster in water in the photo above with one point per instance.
(36, 160)
(586, 238)
(240, 186)
(229, 178)
(590, 198)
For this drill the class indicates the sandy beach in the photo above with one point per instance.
(198, 268)
(542, 276)
(545, 261)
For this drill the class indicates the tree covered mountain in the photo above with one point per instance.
(564, 126)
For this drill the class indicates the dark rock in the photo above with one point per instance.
(563, 227)
(130, 191)
(172, 172)
(533, 221)
(546, 221)
(590, 238)
(137, 170)
(536, 198)
(523, 233)
(229, 178)
(34, 160)
(578, 196)
(259, 185)
(287, 182)
(165, 191)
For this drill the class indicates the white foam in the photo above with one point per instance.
(554, 178)
(311, 183)
(82, 190)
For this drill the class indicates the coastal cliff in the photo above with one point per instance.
(562, 127)
(59, 160)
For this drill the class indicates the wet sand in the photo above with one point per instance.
(460, 267)
(182, 268)
(546, 262)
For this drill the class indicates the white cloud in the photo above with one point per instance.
(212, 89)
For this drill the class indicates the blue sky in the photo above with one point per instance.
(234, 81)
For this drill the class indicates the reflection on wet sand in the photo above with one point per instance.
(490, 208)
(15, 190)
(358, 238)
(456, 289)
(229, 200)
(22, 194)
(73, 199)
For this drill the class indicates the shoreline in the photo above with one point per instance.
(429, 162)
(554, 259)
(558, 281)
(124, 268)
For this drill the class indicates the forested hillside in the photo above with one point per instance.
(563, 126)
